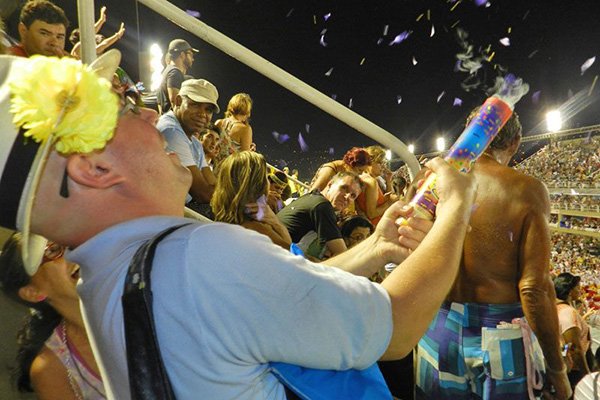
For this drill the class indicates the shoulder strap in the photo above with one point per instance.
(148, 379)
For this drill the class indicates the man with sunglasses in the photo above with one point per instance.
(227, 302)
(179, 60)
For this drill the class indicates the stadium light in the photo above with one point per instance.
(156, 66)
(388, 154)
(411, 148)
(440, 144)
(554, 121)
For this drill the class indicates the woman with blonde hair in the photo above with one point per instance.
(372, 202)
(236, 124)
(240, 197)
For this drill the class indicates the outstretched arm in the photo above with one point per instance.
(101, 20)
(109, 41)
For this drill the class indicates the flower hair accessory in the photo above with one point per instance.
(66, 101)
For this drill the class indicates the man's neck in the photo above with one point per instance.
(179, 65)
(500, 156)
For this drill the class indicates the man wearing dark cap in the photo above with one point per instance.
(179, 60)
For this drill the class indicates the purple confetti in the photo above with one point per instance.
(399, 99)
(587, 64)
(322, 41)
(302, 143)
(331, 151)
(505, 41)
(281, 138)
(334, 96)
(307, 128)
(193, 13)
(440, 96)
(328, 73)
(535, 97)
(480, 3)
(457, 102)
(400, 38)
(327, 16)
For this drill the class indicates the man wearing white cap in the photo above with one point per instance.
(192, 112)
(227, 303)
(179, 60)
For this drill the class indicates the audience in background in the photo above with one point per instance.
(372, 202)
(236, 124)
(356, 160)
(42, 30)
(193, 110)
(211, 144)
(278, 184)
(102, 43)
(241, 197)
(179, 60)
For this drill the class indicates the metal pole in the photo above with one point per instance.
(285, 79)
(87, 33)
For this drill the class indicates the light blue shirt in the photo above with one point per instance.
(189, 151)
(226, 302)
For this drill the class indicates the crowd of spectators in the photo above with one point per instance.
(575, 202)
(572, 163)
(249, 193)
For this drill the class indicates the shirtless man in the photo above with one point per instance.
(503, 275)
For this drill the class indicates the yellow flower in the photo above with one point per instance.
(66, 99)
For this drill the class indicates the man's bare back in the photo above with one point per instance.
(494, 252)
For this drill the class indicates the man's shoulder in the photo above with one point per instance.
(18, 50)
(168, 121)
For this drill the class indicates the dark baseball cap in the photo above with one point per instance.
(179, 45)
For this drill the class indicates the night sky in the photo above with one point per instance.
(549, 41)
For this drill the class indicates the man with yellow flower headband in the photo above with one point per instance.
(226, 300)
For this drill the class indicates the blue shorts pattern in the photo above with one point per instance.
(465, 354)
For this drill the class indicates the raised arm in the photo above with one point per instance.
(109, 41)
(536, 288)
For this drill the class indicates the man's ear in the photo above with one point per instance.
(178, 100)
(22, 30)
(92, 170)
(31, 294)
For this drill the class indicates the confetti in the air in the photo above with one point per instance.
(289, 14)
(535, 97)
(327, 16)
(440, 96)
(488, 4)
(350, 103)
(457, 102)
(362, 61)
(328, 73)
(400, 38)
(480, 3)
(307, 128)
(432, 30)
(454, 24)
(419, 17)
(505, 41)
(314, 19)
(331, 151)
(509, 30)
(489, 59)
(302, 143)
(280, 137)
(399, 99)
(322, 41)
(334, 96)
(533, 53)
(428, 15)
(525, 15)
(193, 13)
(414, 60)
(385, 30)
(455, 5)
(587, 64)
(379, 41)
